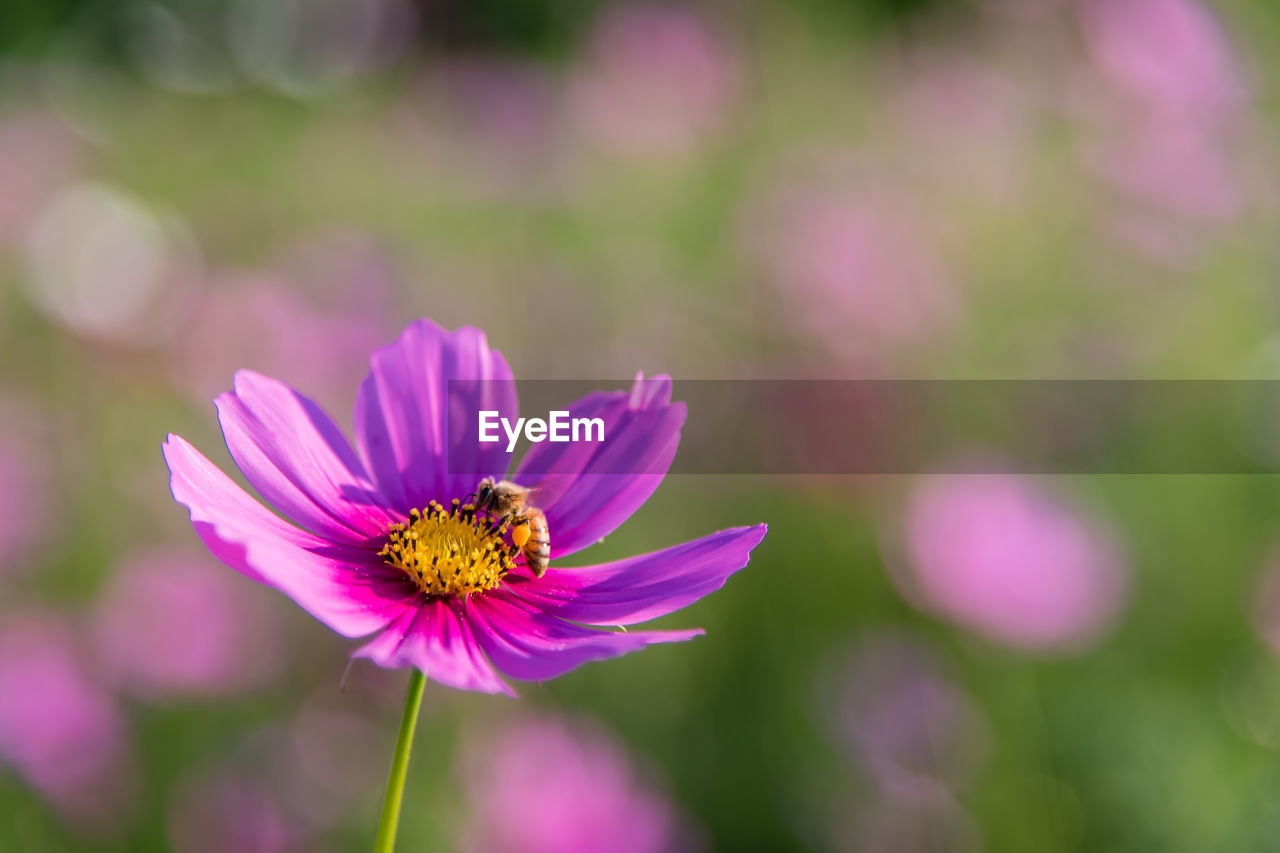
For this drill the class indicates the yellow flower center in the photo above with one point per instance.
(450, 552)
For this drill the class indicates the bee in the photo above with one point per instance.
(510, 502)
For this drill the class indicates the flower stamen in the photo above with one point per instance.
(450, 552)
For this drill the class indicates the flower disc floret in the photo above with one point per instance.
(450, 552)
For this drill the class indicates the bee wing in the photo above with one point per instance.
(548, 490)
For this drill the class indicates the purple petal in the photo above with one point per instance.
(436, 638)
(343, 587)
(406, 429)
(298, 460)
(645, 587)
(592, 488)
(532, 646)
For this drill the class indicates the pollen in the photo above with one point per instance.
(450, 552)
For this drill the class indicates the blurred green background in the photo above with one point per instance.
(998, 189)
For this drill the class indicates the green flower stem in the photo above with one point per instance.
(390, 819)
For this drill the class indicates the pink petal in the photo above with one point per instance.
(588, 490)
(436, 637)
(532, 646)
(645, 587)
(345, 588)
(406, 429)
(298, 459)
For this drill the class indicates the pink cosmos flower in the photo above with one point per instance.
(59, 730)
(1172, 167)
(962, 126)
(657, 83)
(1005, 557)
(381, 544)
(281, 785)
(503, 113)
(310, 316)
(38, 155)
(1169, 128)
(334, 759)
(1170, 54)
(924, 822)
(565, 787)
(24, 498)
(919, 738)
(912, 728)
(1266, 604)
(171, 623)
(227, 812)
(859, 271)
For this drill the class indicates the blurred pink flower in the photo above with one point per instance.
(1001, 555)
(261, 322)
(929, 822)
(1266, 612)
(23, 503)
(657, 81)
(173, 623)
(1170, 54)
(38, 156)
(481, 127)
(504, 107)
(311, 316)
(858, 274)
(225, 812)
(341, 271)
(565, 786)
(59, 731)
(1173, 167)
(335, 758)
(284, 784)
(1165, 121)
(106, 266)
(963, 126)
(912, 728)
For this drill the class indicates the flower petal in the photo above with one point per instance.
(645, 587)
(345, 588)
(524, 643)
(298, 459)
(588, 490)
(406, 427)
(436, 637)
